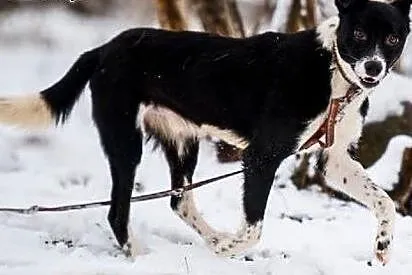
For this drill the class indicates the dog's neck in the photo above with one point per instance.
(342, 75)
(339, 66)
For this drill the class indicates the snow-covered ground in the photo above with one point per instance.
(67, 166)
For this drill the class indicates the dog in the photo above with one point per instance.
(266, 94)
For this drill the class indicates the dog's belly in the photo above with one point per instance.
(167, 124)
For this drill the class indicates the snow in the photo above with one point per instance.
(387, 99)
(66, 165)
(388, 166)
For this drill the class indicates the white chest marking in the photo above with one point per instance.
(349, 128)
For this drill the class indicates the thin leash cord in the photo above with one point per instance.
(173, 192)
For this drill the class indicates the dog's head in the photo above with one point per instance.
(370, 37)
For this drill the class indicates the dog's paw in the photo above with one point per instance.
(132, 249)
(228, 245)
(383, 247)
(223, 244)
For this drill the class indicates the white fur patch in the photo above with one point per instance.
(224, 244)
(347, 68)
(229, 245)
(175, 128)
(348, 176)
(327, 32)
(351, 121)
(29, 111)
(360, 68)
(131, 248)
(188, 212)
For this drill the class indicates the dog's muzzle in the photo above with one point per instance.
(370, 71)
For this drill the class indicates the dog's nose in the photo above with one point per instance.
(373, 68)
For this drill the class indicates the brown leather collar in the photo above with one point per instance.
(336, 106)
(327, 128)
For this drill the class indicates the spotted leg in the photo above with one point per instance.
(261, 160)
(182, 161)
(348, 176)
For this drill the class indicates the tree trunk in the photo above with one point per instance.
(235, 17)
(263, 15)
(298, 19)
(309, 18)
(293, 23)
(219, 16)
(376, 135)
(170, 15)
(402, 193)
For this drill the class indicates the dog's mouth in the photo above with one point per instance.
(369, 82)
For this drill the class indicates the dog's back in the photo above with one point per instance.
(207, 79)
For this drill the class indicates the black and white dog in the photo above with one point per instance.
(266, 94)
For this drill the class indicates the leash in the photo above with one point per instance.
(172, 192)
(326, 129)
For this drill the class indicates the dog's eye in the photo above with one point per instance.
(359, 34)
(392, 40)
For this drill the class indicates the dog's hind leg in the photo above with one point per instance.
(124, 150)
(122, 144)
(348, 176)
(182, 161)
(261, 160)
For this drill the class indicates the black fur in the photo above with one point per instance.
(62, 96)
(181, 166)
(377, 21)
(264, 88)
(364, 108)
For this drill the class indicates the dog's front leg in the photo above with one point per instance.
(261, 160)
(348, 176)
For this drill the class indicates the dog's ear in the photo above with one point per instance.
(403, 5)
(346, 5)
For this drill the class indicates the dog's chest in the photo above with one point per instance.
(348, 128)
(349, 122)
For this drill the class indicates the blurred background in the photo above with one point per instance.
(40, 31)
(40, 39)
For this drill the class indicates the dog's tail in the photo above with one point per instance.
(54, 104)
